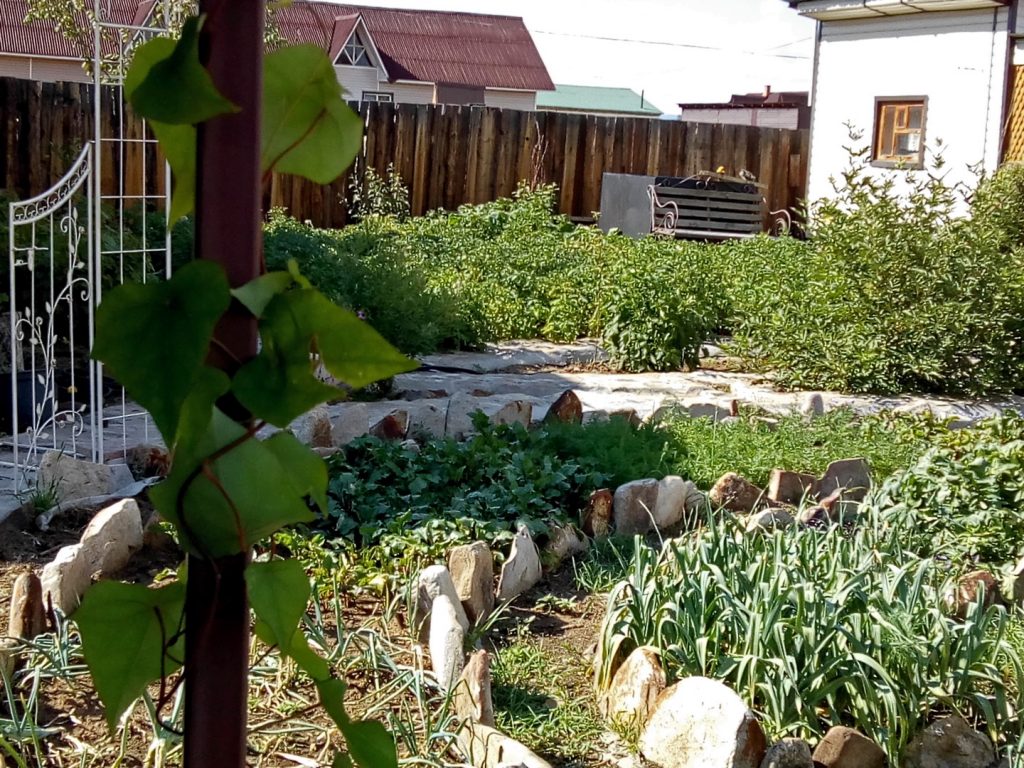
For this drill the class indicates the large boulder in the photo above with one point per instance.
(788, 487)
(446, 639)
(788, 753)
(670, 506)
(522, 569)
(969, 589)
(567, 409)
(844, 747)
(634, 689)
(27, 617)
(774, 519)
(65, 579)
(736, 494)
(949, 743)
(314, 428)
(634, 506)
(472, 699)
(485, 747)
(851, 476)
(72, 478)
(596, 519)
(113, 535)
(472, 571)
(700, 723)
(433, 581)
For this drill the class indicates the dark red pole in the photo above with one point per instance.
(228, 232)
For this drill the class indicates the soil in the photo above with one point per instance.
(566, 623)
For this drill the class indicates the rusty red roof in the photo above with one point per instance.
(450, 48)
(42, 38)
(445, 47)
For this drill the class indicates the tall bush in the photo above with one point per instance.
(893, 293)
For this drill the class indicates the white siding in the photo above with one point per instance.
(505, 99)
(59, 70)
(15, 66)
(355, 80)
(766, 118)
(412, 93)
(45, 70)
(957, 60)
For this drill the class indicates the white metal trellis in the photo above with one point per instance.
(93, 228)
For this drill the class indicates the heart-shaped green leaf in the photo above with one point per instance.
(129, 637)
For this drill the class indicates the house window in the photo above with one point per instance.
(378, 96)
(354, 53)
(899, 132)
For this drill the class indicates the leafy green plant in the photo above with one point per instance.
(410, 506)
(375, 195)
(892, 293)
(815, 629)
(964, 500)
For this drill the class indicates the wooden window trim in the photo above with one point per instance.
(906, 101)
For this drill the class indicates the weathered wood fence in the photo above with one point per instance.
(447, 155)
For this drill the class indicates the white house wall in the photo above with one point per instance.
(956, 59)
(411, 93)
(356, 80)
(44, 70)
(507, 99)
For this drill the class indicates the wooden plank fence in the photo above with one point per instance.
(447, 155)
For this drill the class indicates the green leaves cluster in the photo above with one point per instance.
(307, 129)
(228, 489)
(412, 505)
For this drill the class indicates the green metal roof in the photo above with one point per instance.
(593, 98)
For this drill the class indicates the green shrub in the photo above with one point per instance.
(510, 269)
(964, 500)
(815, 629)
(893, 293)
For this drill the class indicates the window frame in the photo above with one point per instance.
(359, 48)
(389, 100)
(903, 101)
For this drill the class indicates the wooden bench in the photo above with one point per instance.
(711, 206)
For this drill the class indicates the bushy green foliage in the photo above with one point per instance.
(815, 629)
(399, 500)
(964, 500)
(510, 269)
(374, 194)
(893, 292)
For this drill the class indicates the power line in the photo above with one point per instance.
(664, 43)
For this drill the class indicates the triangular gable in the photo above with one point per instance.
(349, 28)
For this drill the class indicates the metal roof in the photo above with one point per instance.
(431, 46)
(587, 98)
(837, 10)
(42, 38)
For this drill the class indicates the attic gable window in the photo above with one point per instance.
(899, 132)
(354, 53)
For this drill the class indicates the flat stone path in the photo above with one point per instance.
(535, 373)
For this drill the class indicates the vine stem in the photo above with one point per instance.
(228, 195)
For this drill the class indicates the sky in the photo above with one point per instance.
(671, 50)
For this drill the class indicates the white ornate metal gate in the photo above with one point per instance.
(104, 223)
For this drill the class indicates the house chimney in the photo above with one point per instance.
(767, 91)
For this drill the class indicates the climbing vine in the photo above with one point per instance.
(228, 489)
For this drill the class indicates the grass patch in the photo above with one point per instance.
(542, 700)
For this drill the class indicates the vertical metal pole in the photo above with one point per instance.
(227, 231)
(95, 268)
(18, 472)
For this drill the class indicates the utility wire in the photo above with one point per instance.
(664, 43)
